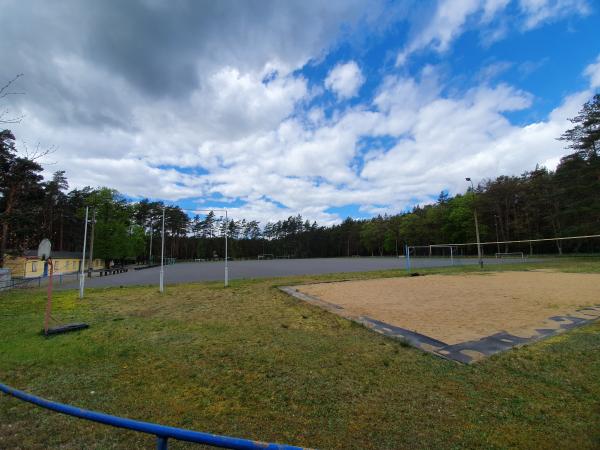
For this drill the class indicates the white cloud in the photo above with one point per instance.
(451, 18)
(245, 129)
(447, 23)
(440, 140)
(541, 11)
(345, 80)
(309, 163)
(493, 70)
(593, 73)
(493, 7)
(469, 136)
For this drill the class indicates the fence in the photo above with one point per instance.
(163, 433)
(16, 283)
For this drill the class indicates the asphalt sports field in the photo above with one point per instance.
(214, 271)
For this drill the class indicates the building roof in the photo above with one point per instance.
(55, 255)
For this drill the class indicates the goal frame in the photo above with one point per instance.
(499, 255)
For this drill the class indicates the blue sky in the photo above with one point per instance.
(282, 108)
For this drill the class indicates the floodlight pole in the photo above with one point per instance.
(81, 274)
(150, 254)
(226, 243)
(476, 225)
(226, 259)
(162, 255)
(91, 256)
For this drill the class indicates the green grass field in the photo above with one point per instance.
(251, 362)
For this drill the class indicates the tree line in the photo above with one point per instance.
(537, 204)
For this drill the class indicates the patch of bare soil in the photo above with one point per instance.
(459, 308)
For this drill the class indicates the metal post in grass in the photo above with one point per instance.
(497, 238)
(82, 276)
(161, 443)
(226, 239)
(91, 253)
(226, 258)
(150, 252)
(476, 225)
(407, 252)
(162, 255)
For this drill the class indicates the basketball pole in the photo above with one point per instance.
(81, 272)
(49, 301)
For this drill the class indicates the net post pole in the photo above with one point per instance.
(407, 250)
(82, 276)
(451, 256)
(479, 256)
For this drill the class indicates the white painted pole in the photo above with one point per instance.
(226, 258)
(162, 255)
(479, 254)
(150, 256)
(226, 240)
(81, 275)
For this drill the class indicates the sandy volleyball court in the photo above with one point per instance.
(460, 308)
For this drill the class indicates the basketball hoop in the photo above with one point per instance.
(44, 254)
(44, 249)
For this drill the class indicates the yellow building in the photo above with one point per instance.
(30, 266)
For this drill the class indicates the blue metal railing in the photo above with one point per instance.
(163, 433)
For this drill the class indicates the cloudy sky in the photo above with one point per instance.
(274, 108)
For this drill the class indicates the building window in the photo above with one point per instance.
(34, 267)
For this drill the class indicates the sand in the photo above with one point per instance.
(460, 308)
